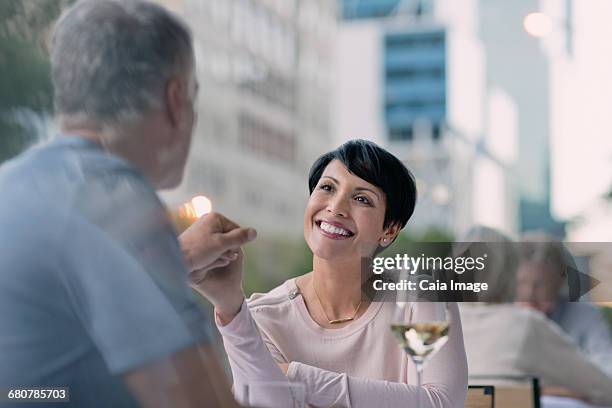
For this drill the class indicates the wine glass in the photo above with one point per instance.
(421, 329)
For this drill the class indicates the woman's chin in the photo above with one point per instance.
(333, 254)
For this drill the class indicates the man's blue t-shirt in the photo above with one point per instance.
(92, 282)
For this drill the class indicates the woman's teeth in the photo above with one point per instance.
(332, 229)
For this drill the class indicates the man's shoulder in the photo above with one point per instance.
(36, 195)
(71, 187)
(66, 166)
(97, 186)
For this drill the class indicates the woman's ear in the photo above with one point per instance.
(390, 234)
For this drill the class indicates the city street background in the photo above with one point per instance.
(500, 108)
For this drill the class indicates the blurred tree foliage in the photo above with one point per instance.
(24, 67)
(410, 242)
(270, 261)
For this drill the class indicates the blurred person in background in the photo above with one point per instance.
(500, 265)
(503, 341)
(93, 281)
(318, 327)
(542, 284)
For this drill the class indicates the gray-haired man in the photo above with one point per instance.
(93, 284)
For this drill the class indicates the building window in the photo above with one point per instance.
(265, 140)
(273, 87)
(401, 134)
(207, 179)
(415, 82)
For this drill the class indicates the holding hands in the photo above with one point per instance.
(212, 251)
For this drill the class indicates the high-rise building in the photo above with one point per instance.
(264, 68)
(459, 91)
(415, 81)
(520, 68)
(360, 9)
(580, 136)
(401, 67)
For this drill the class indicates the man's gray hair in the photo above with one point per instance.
(111, 59)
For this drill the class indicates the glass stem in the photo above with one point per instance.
(419, 371)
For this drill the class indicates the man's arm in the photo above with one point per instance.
(551, 355)
(132, 297)
(191, 377)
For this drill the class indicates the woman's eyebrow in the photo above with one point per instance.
(330, 177)
(356, 188)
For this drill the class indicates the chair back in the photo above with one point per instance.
(513, 392)
(480, 396)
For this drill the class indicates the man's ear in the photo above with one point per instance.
(390, 233)
(175, 99)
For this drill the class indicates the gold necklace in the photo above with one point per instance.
(335, 321)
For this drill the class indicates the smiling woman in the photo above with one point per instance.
(318, 327)
(361, 196)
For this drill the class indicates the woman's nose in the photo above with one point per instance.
(337, 207)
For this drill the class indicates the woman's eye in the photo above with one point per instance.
(362, 199)
(325, 187)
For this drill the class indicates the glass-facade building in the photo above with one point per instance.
(414, 67)
(356, 9)
(442, 77)
(415, 82)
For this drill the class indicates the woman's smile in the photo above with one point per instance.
(333, 230)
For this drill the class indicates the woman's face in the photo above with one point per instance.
(344, 216)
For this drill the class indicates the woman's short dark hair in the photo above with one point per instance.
(372, 163)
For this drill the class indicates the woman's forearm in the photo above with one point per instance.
(325, 388)
(250, 359)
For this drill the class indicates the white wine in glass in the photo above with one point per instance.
(422, 334)
(421, 340)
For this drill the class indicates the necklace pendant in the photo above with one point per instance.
(336, 321)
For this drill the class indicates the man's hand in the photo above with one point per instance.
(213, 241)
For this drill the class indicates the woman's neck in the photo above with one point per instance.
(338, 285)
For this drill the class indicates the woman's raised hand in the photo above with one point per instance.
(212, 248)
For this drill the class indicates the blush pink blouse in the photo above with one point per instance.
(359, 365)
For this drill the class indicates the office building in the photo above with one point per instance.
(264, 68)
